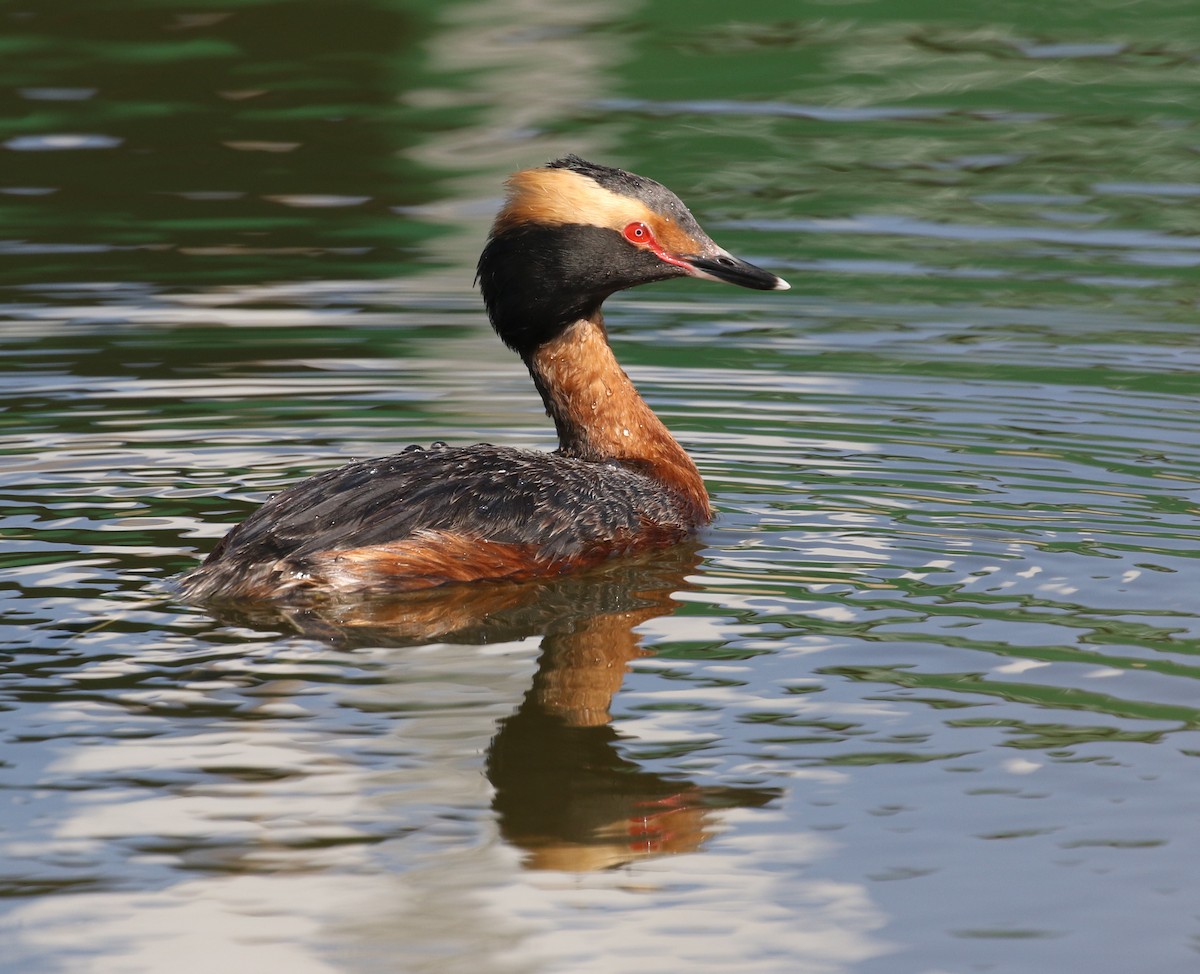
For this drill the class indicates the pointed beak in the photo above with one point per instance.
(722, 266)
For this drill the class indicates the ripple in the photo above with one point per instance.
(57, 94)
(822, 113)
(61, 142)
(903, 226)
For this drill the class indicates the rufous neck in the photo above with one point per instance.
(600, 416)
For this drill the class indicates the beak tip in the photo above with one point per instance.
(781, 285)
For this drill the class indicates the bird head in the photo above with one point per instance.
(573, 232)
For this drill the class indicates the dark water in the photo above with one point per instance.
(918, 702)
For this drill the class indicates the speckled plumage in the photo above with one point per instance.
(565, 510)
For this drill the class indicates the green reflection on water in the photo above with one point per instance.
(255, 105)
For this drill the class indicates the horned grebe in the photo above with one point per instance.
(569, 235)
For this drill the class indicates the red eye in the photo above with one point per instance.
(639, 233)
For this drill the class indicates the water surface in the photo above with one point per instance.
(918, 700)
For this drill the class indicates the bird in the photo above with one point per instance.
(568, 235)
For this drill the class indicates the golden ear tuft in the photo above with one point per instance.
(558, 197)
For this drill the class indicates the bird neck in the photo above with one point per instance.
(600, 416)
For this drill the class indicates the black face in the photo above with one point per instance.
(538, 280)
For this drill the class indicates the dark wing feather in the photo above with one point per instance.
(560, 505)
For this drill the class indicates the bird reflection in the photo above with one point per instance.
(565, 795)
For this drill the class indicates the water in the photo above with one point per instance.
(918, 702)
